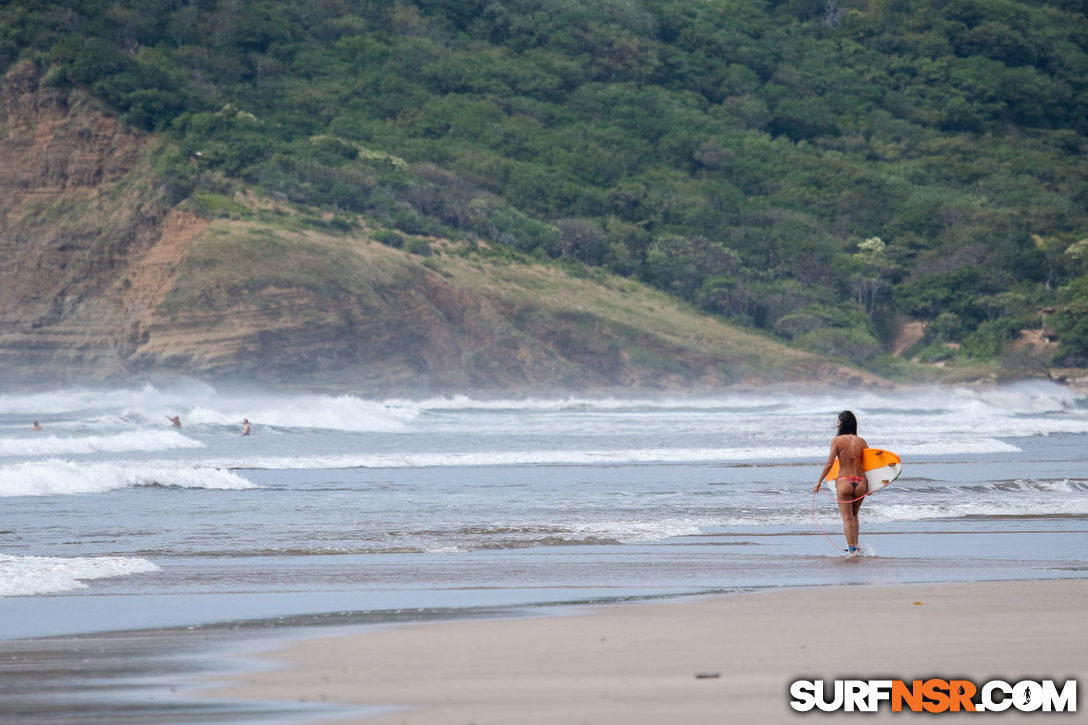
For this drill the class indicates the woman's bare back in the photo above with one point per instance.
(848, 448)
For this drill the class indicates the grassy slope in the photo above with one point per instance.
(473, 315)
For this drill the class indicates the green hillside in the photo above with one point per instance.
(823, 170)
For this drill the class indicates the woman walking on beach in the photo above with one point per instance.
(850, 486)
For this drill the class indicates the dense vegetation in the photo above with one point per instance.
(819, 169)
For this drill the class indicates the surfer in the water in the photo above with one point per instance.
(850, 486)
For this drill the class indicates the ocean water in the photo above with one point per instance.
(112, 519)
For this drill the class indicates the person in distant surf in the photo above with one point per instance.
(245, 426)
(176, 420)
(850, 486)
(36, 426)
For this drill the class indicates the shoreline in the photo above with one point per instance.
(697, 660)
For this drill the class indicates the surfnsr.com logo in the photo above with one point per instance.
(934, 695)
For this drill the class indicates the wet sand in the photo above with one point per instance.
(708, 660)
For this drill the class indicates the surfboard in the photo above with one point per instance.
(879, 466)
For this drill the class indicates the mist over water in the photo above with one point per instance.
(348, 501)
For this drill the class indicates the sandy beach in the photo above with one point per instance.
(707, 660)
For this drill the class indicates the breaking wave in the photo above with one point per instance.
(48, 478)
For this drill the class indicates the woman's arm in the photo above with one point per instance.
(827, 466)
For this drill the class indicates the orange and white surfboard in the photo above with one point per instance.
(879, 466)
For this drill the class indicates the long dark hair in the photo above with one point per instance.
(848, 424)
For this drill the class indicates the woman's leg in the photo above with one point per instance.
(862, 489)
(848, 508)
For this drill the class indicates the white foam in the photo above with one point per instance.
(1062, 497)
(779, 518)
(1029, 408)
(343, 412)
(912, 421)
(1027, 397)
(952, 447)
(1068, 485)
(22, 576)
(52, 477)
(1022, 506)
(428, 459)
(641, 531)
(742, 454)
(199, 403)
(1024, 398)
(576, 404)
(50, 445)
(443, 549)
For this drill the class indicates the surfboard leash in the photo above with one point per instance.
(812, 512)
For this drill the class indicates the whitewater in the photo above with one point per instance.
(343, 502)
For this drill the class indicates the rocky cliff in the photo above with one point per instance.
(66, 231)
(101, 279)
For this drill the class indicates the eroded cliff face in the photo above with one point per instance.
(75, 219)
(100, 280)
